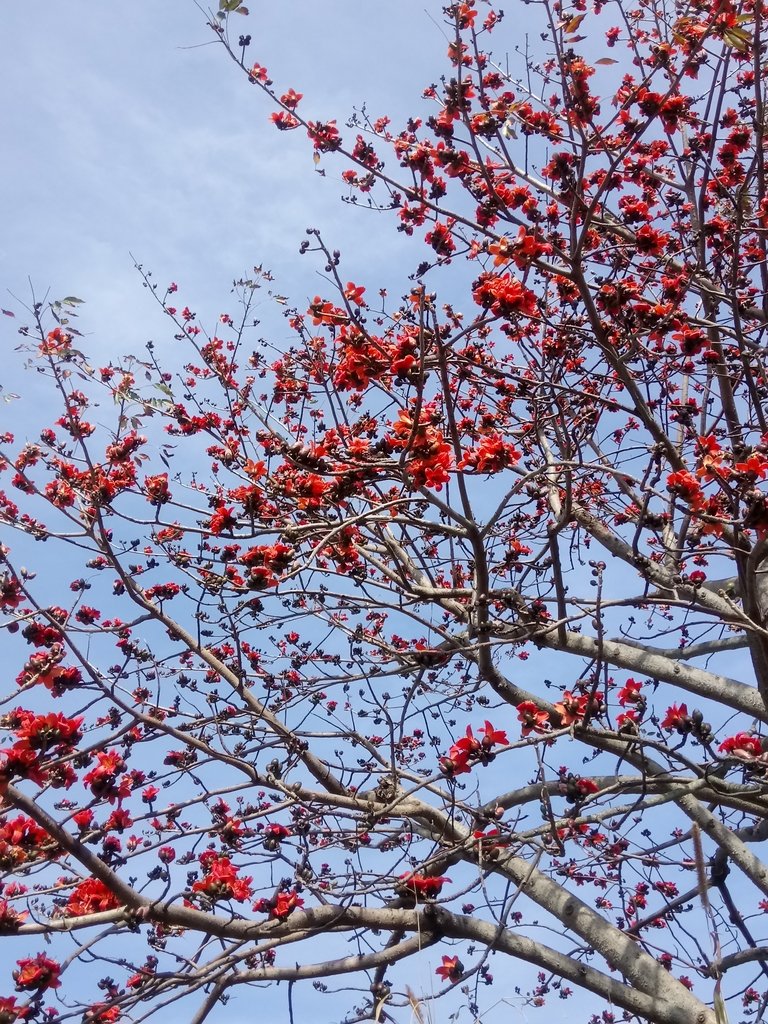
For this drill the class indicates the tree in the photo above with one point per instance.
(283, 711)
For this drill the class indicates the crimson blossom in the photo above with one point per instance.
(436, 638)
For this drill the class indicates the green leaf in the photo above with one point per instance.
(72, 300)
(738, 39)
(229, 5)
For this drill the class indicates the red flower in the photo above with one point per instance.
(220, 881)
(492, 736)
(534, 719)
(754, 467)
(491, 456)
(687, 486)
(291, 99)
(259, 74)
(587, 787)
(162, 592)
(457, 764)
(440, 239)
(282, 905)
(83, 818)
(118, 821)
(47, 732)
(10, 920)
(468, 744)
(10, 1012)
(57, 342)
(37, 974)
(273, 834)
(91, 897)
(677, 718)
(426, 887)
(470, 750)
(628, 721)
(24, 763)
(157, 489)
(103, 778)
(325, 137)
(504, 295)
(354, 293)
(490, 841)
(451, 969)
(22, 839)
(571, 708)
(222, 519)
(743, 745)
(10, 592)
(630, 693)
(284, 121)
(323, 312)
(100, 1013)
(523, 250)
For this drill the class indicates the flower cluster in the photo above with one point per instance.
(281, 905)
(91, 897)
(37, 974)
(420, 887)
(220, 880)
(430, 457)
(744, 745)
(471, 750)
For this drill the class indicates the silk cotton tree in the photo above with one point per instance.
(432, 643)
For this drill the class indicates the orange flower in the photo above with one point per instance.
(450, 969)
(571, 708)
(91, 897)
(534, 719)
(427, 887)
(36, 974)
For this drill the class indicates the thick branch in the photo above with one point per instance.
(709, 685)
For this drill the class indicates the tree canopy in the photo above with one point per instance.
(436, 634)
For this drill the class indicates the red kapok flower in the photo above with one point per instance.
(10, 1012)
(285, 903)
(450, 969)
(223, 519)
(534, 719)
(100, 1013)
(743, 745)
(91, 897)
(677, 718)
(220, 881)
(630, 693)
(157, 489)
(572, 708)
(426, 887)
(284, 120)
(37, 974)
(491, 735)
(10, 920)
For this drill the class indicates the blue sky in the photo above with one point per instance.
(128, 132)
